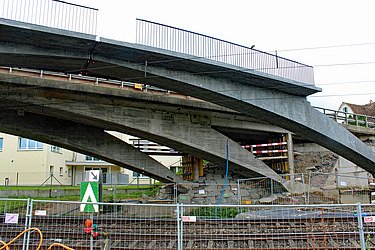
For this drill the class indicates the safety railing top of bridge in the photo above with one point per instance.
(349, 118)
(51, 13)
(202, 46)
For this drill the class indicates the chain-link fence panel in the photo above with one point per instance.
(270, 227)
(13, 220)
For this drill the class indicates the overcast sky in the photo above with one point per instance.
(345, 73)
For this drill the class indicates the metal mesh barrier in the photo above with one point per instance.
(119, 225)
(368, 214)
(270, 227)
(179, 226)
(13, 219)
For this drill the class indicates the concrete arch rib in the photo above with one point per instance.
(291, 112)
(173, 130)
(84, 139)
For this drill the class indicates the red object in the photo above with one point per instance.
(88, 230)
(88, 223)
(95, 234)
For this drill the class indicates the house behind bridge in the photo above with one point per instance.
(27, 162)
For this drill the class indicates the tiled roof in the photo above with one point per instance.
(367, 109)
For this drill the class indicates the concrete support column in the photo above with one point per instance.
(290, 155)
(196, 169)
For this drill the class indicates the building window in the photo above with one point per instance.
(345, 109)
(55, 149)
(1, 144)
(51, 169)
(61, 172)
(90, 158)
(138, 175)
(28, 144)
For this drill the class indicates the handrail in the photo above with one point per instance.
(51, 13)
(202, 46)
(347, 118)
(91, 79)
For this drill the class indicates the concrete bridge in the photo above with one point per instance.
(268, 98)
(74, 113)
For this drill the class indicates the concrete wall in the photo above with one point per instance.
(317, 159)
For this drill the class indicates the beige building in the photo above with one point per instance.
(28, 162)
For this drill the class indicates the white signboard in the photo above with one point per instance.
(11, 218)
(41, 212)
(189, 218)
(369, 219)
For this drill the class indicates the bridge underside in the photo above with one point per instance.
(83, 139)
(180, 129)
(274, 100)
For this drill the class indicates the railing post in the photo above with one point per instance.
(356, 120)
(360, 227)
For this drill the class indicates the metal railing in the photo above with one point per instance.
(79, 78)
(51, 13)
(349, 118)
(202, 46)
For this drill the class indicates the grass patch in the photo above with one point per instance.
(213, 212)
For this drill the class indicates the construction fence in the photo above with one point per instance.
(179, 226)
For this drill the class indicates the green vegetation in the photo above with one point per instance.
(110, 193)
(361, 120)
(212, 212)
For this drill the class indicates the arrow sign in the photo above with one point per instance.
(93, 175)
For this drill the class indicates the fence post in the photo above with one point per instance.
(179, 226)
(238, 192)
(360, 227)
(91, 236)
(271, 189)
(29, 214)
(308, 187)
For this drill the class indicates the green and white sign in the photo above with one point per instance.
(89, 193)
